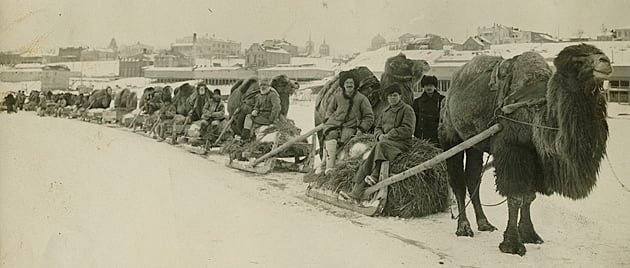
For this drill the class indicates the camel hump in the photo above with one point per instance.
(522, 78)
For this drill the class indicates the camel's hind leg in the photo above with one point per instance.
(474, 166)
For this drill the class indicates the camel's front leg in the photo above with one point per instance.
(511, 239)
(525, 225)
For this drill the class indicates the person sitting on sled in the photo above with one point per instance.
(213, 113)
(394, 132)
(166, 115)
(349, 112)
(265, 112)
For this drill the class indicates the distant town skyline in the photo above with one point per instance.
(347, 26)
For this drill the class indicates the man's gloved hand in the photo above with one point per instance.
(381, 137)
(370, 180)
(255, 113)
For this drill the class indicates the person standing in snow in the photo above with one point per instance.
(427, 110)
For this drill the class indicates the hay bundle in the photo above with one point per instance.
(423, 194)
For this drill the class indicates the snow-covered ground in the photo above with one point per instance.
(74, 194)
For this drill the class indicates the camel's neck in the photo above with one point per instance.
(572, 153)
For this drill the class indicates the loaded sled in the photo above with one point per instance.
(377, 201)
(302, 153)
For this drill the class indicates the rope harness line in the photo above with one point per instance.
(473, 193)
(527, 123)
(623, 186)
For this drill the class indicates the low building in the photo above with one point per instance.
(619, 82)
(304, 72)
(22, 73)
(98, 54)
(170, 59)
(210, 75)
(206, 47)
(536, 37)
(135, 49)
(169, 74)
(622, 33)
(258, 56)
(222, 75)
(55, 77)
(476, 43)
(283, 44)
(10, 58)
(71, 53)
(134, 66)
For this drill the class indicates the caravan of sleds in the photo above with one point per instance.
(546, 130)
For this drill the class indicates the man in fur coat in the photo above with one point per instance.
(266, 110)
(349, 112)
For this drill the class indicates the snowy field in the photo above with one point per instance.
(75, 194)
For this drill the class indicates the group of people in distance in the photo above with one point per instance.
(350, 113)
(15, 102)
(207, 110)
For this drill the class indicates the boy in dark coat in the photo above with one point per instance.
(427, 109)
(394, 133)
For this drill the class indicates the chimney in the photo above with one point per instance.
(194, 38)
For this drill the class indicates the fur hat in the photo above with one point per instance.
(345, 75)
(265, 81)
(429, 80)
(393, 88)
(217, 92)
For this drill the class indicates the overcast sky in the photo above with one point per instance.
(347, 25)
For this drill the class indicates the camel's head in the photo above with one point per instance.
(418, 69)
(184, 91)
(402, 69)
(283, 84)
(584, 62)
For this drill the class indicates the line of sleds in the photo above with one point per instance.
(281, 152)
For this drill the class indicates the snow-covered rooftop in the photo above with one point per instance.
(175, 69)
(94, 68)
(182, 45)
(220, 68)
(276, 50)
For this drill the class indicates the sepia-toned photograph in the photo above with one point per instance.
(320, 133)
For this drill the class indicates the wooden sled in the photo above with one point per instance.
(269, 161)
(333, 198)
(372, 207)
(267, 164)
(195, 149)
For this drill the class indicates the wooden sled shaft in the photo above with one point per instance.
(288, 144)
(435, 160)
